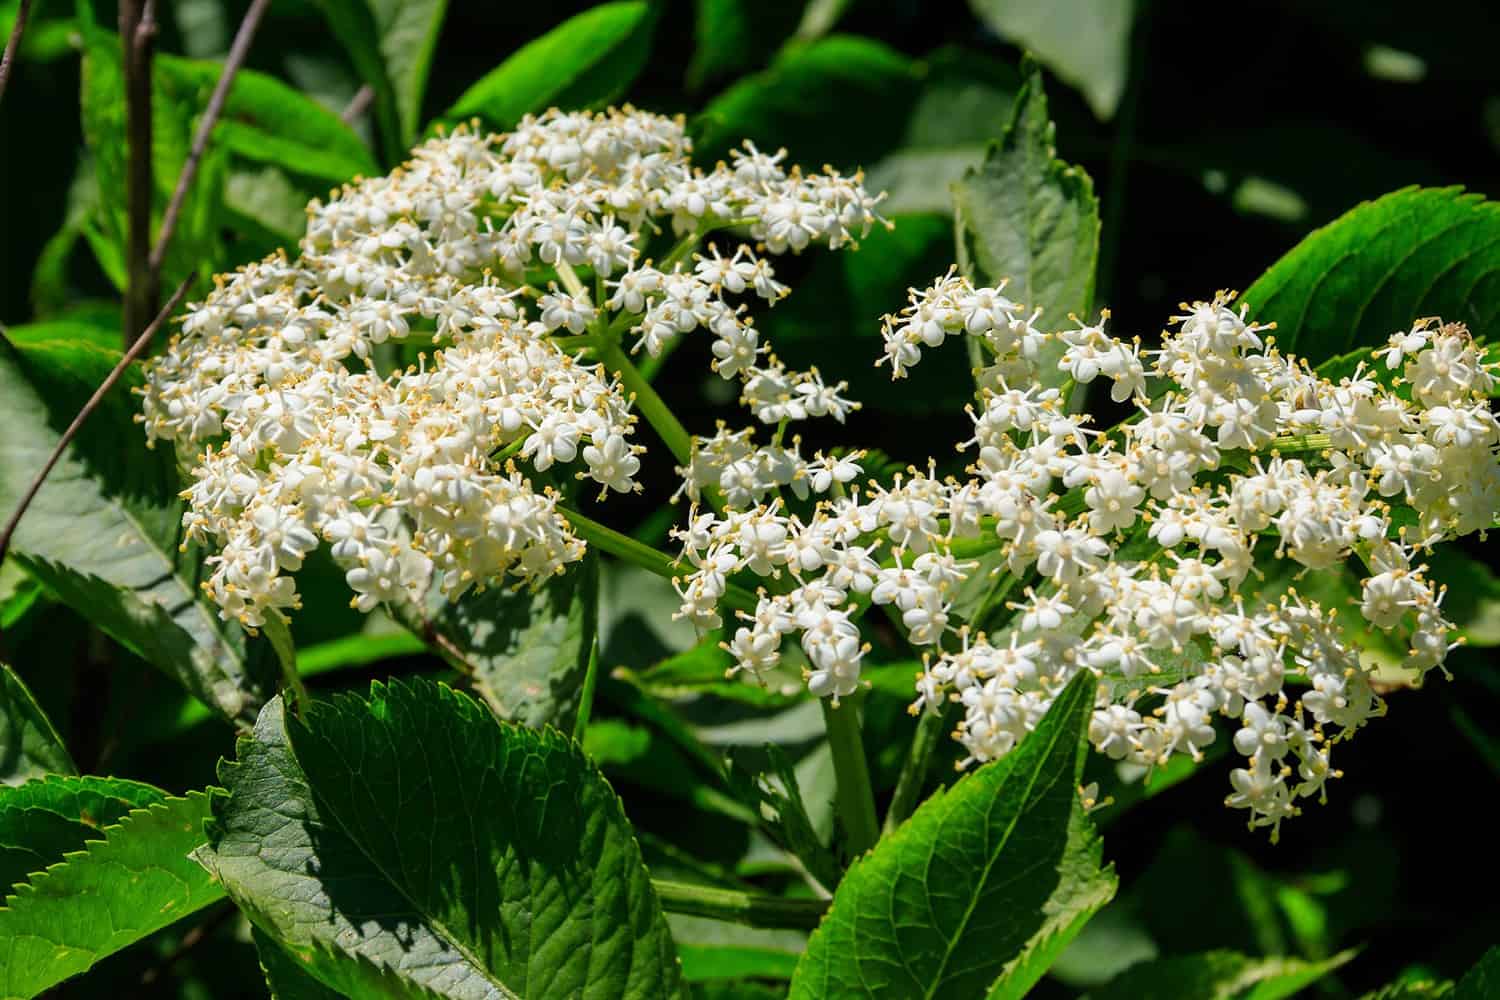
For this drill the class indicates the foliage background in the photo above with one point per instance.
(1224, 148)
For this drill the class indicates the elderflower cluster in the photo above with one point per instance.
(1132, 553)
(302, 422)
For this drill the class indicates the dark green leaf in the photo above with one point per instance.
(528, 651)
(41, 821)
(980, 888)
(409, 32)
(1483, 981)
(527, 880)
(777, 799)
(104, 531)
(732, 36)
(29, 745)
(1026, 216)
(115, 891)
(1217, 975)
(818, 100)
(587, 61)
(1421, 990)
(1086, 42)
(1416, 252)
(353, 24)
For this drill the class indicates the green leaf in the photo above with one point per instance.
(1482, 982)
(719, 950)
(777, 799)
(42, 820)
(409, 32)
(527, 880)
(528, 651)
(289, 977)
(1413, 253)
(732, 36)
(1217, 975)
(264, 202)
(817, 100)
(268, 121)
(29, 745)
(1085, 42)
(587, 61)
(353, 24)
(1025, 215)
(104, 531)
(1426, 989)
(980, 888)
(115, 891)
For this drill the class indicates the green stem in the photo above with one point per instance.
(855, 797)
(586, 698)
(750, 908)
(913, 777)
(570, 279)
(624, 547)
(652, 407)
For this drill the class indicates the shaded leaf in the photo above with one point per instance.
(1217, 975)
(777, 799)
(42, 820)
(353, 24)
(29, 744)
(409, 32)
(1482, 982)
(587, 61)
(980, 888)
(1085, 42)
(528, 651)
(529, 881)
(1413, 253)
(104, 531)
(112, 893)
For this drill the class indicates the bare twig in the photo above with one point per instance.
(14, 45)
(232, 63)
(137, 27)
(363, 97)
(88, 408)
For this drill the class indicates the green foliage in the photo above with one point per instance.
(1086, 42)
(527, 860)
(115, 891)
(1026, 215)
(1416, 252)
(528, 652)
(408, 37)
(353, 24)
(104, 532)
(980, 887)
(29, 745)
(1482, 981)
(44, 819)
(1217, 975)
(587, 61)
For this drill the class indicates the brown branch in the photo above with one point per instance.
(83, 414)
(137, 28)
(14, 45)
(232, 63)
(358, 105)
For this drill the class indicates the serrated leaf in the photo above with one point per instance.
(1482, 982)
(1413, 253)
(1423, 990)
(528, 881)
(42, 820)
(104, 531)
(779, 804)
(980, 888)
(528, 651)
(1026, 216)
(1217, 975)
(29, 744)
(115, 891)
(1085, 42)
(289, 976)
(587, 61)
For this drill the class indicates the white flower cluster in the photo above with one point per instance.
(298, 428)
(1133, 550)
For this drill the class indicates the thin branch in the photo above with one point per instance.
(14, 45)
(232, 63)
(88, 408)
(363, 98)
(137, 26)
(753, 908)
